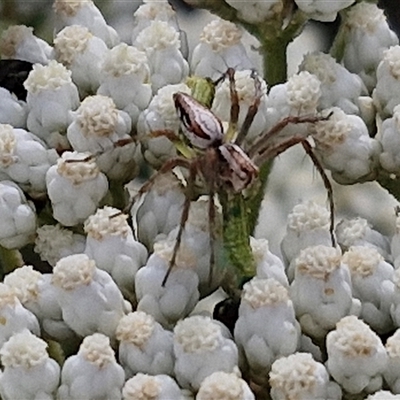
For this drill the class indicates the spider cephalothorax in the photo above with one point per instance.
(218, 158)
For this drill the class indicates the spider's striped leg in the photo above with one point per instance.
(184, 217)
(328, 186)
(234, 112)
(252, 111)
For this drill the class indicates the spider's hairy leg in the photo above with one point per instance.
(234, 112)
(328, 186)
(184, 217)
(252, 111)
(262, 143)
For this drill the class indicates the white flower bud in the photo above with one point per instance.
(169, 303)
(12, 110)
(200, 349)
(97, 127)
(85, 13)
(220, 47)
(147, 387)
(160, 115)
(19, 43)
(344, 146)
(15, 318)
(160, 210)
(339, 87)
(75, 187)
(356, 356)
(268, 264)
(83, 53)
(38, 295)
(54, 242)
(144, 345)
(391, 374)
(395, 306)
(260, 343)
(17, 217)
(244, 85)
(257, 11)
(308, 225)
(93, 373)
(29, 372)
(321, 290)
(25, 159)
(299, 376)
(372, 282)
(110, 243)
(367, 35)
(224, 386)
(325, 11)
(383, 395)
(125, 77)
(51, 96)
(390, 141)
(395, 243)
(358, 232)
(161, 43)
(90, 300)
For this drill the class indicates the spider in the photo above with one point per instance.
(219, 159)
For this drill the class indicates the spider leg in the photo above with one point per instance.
(252, 111)
(234, 113)
(261, 144)
(184, 217)
(328, 186)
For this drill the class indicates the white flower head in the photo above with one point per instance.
(12, 111)
(257, 11)
(325, 11)
(393, 351)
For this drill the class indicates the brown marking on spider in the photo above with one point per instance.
(220, 159)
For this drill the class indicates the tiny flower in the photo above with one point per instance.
(178, 297)
(25, 159)
(391, 374)
(160, 210)
(161, 43)
(356, 356)
(220, 47)
(395, 306)
(339, 87)
(82, 53)
(321, 290)
(144, 345)
(298, 376)
(259, 342)
(51, 96)
(268, 264)
(17, 217)
(367, 35)
(158, 116)
(85, 13)
(75, 187)
(372, 282)
(110, 243)
(224, 386)
(147, 387)
(125, 77)
(383, 395)
(14, 317)
(89, 299)
(97, 127)
(93, 373)
(390, 141)
(19, 43)
(12, 110)
(245, 86)
(307, 225)
(54, 242)
(344, 147)
(395, 244)
(29, 372)
(358, 232)
(201, 348)
(325, 11)
(257, 11)
(38, 295)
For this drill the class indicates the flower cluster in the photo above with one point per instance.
(108, 271)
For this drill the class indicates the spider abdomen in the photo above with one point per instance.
(200, 125)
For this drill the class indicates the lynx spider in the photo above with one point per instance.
(218, 151)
